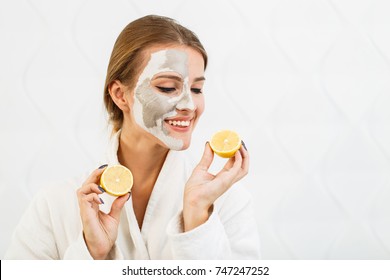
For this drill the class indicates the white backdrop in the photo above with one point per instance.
(305, 82)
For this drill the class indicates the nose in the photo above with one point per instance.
(186, 102)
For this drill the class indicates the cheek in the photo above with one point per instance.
(152, 106)
(199, 101)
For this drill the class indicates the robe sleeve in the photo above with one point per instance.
(79, 250)
(229, 233)
(33, 237)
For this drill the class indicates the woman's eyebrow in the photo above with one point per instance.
(199, 79)
(173, 77)
(177, 78)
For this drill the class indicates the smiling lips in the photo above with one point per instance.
(179, 124)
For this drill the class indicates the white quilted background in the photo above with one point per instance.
(305, 82)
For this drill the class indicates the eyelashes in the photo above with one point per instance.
(172, 90)
(166, 89)
(196, 90)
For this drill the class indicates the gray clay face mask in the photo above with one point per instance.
(152, 108)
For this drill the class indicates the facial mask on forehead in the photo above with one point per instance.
(151, 108)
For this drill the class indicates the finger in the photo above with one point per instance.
(117, 206)
(207, 158)
(94, 177)
(245, 159)
(91, 198)
(243, 170)
(234, 162)
(90, 188)
(228, 176)
(229, 164)
(237, 162)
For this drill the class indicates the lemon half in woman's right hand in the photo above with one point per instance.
(225, 143)
(116, 180)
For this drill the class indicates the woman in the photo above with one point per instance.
(153, 95)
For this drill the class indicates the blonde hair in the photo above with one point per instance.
(127, 55)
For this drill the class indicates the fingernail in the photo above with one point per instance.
(101, 200)
(206, 143)
(101, 189)
(129, 196)
(243, 144)
(102, 166)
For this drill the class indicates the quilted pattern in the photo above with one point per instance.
(305, 82)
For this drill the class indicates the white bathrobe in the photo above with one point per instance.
(51, 228)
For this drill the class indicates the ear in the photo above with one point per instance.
(118, 94)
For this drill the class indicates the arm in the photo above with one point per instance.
(217, 221)
(52, 228)
(33, 237)
(238, 218)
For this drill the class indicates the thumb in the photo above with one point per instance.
(117, 206)
(207, 158)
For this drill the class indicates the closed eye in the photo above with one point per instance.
(166, 89)
(196, 90)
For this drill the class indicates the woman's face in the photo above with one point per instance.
(168, 99)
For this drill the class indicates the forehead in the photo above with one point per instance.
(167, 60)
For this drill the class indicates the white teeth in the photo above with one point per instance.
(179, 123)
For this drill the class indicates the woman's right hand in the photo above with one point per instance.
(100, 229)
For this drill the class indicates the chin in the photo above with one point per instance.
(185, 145)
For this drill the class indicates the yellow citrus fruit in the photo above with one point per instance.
(116, 180)
(225, 143)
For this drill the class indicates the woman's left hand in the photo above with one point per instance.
(203, 188)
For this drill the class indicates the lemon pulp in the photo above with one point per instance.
(116, 180)
(225, 143)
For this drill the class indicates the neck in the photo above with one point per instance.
(143, 156)
(141, 153)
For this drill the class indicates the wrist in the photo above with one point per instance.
(194, 216)
(96, 254)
